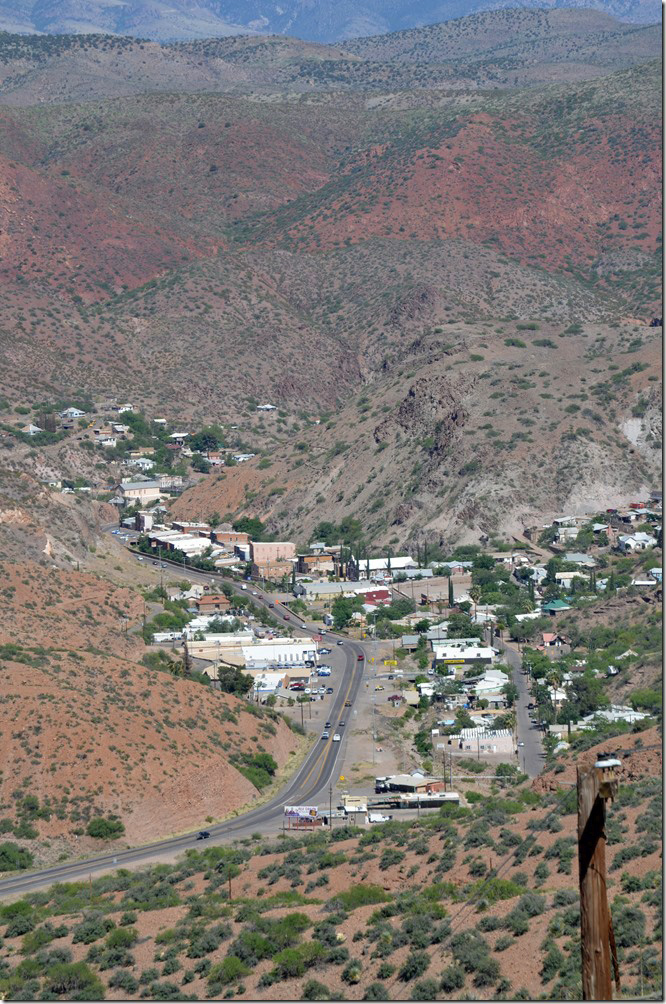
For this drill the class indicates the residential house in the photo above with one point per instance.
(482, 741)
(578, 558)
(72, 413)
(241, 458)
(31, 430)
(108, 442)
(266, 407)
(636, 542)
(550, 640)
(178, 438)
(565, 533)
(121, 408)
(212, 603)
(555, 607)
(565, 579)
(142, 463)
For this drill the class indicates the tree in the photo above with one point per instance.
(200, 464)
(475, 596)
(451, 597)
(510, 691)
(14, 858)
(233, 681)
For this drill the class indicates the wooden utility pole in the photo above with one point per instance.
(595, 785)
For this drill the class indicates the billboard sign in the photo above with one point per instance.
(301, 811)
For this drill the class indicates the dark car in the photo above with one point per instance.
(203, 835)
(348, 704)
(329, 690)
(286, 617)
(328, 725)
(271, 605)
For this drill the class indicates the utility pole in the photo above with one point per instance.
(595, 785)
(330, 805)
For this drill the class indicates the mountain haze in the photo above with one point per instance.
(315, 20)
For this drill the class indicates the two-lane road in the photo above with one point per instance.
(530, 755)
(310, 785)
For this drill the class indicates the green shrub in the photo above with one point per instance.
(352, 972)
(229, 970)
(376, 992)
(453, 978)
(361, 895)
(105, 829)
(414, 965)
(74, 981)
(425, 990)
(315, 991)
(14, 858)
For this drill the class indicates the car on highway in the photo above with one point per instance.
(340, 642)
(521, 743)
(203, 835)
(336, 737)
(115, 531)
(325, 651)
(156, 563)
(360, 658)
(325, 735)
(390, 676)
(341, 725)
(286, 617)
(163, 564)
(244, 587)
(348, 704)
(271, 605)
(254, 592)
(328, 725)
(379, 687)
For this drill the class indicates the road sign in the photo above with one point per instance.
(301, 811)
(390, 662)
(342, 777)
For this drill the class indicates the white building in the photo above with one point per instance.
(72, 413)
(31, 430)
(482, 741)
(282, 652)
(373, 568)
(636, 541)
(266, 407)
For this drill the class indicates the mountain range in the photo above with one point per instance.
(314, 20)
(437, 252)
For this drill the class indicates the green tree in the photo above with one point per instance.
(234, 681)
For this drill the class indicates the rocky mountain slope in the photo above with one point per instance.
(321, 20)
(415, 267)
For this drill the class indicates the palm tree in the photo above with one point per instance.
(475, 596)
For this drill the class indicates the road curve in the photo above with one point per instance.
(309, 785)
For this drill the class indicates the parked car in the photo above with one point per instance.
(329, 690)
(336, 738)
(379, 688)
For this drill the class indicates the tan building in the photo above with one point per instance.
(273, 570)
(311, 563)
(229, 537)
(262, 552)
(140, 491)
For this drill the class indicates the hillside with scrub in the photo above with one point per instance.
(100, 740)
(479, 901)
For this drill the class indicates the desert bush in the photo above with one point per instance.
(414, 965)
(453, 978)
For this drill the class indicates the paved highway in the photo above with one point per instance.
(310, 785)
